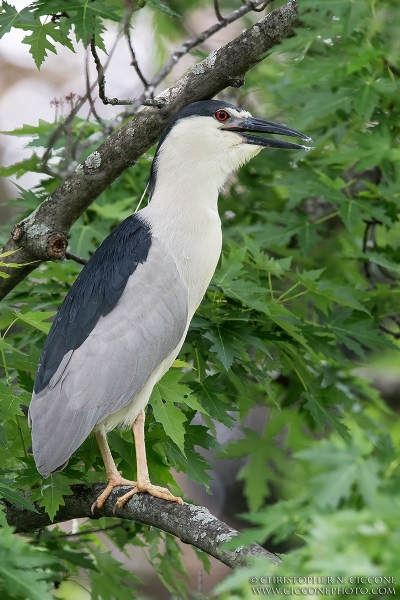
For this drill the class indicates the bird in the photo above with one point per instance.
(125, 318)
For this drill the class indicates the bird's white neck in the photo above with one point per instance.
(183, 210)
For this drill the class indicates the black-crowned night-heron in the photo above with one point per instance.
(125, 319)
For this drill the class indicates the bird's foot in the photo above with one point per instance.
(113, 481)
(153, 490)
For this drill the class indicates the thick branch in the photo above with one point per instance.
(194, 525)
(43, 234)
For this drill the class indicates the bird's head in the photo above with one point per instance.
(212, 138)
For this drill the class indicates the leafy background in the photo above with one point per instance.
(300, 317)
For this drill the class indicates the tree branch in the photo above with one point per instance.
(44, 234)
(194, 525)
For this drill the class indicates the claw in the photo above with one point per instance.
(153, 490)
(113, 482)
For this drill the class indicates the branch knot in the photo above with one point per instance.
(42, 242)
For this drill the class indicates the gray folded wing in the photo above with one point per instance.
(115, 361)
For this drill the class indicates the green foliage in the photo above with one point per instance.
(54, 21)
(23, 569)
(294, 309)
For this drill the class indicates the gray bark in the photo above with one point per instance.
(44, 234)
(194, 525)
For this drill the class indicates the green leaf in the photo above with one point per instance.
(345, 465)
(23, 568)
(384, 261)
(81, 559)
(355, 334)
(5, 346)
(173, 390)
(9, 403)
(39, 42)
(223, 345)
(211, 399)
(160, 6)
(320, 401)
(36, 319)
(231, 267)
(106, 579)
(257, 472)
(51, 494)
(87, 16)
(179, 364)
(15, 497)
(3, 437)
(26, 362)
(165, 393)
(31, 164)
(364, 101)
(9, 18)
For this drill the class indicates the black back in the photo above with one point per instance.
(95, 293)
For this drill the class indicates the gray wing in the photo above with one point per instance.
(114, 363)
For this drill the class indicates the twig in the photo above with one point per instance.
(89, 93)
(217, 11)
(78, 259)
(79, 533)
(134, 61)
(260, 8)
(102, 80)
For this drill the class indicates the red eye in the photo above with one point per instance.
(221, 115)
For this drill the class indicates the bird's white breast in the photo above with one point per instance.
(194, 240)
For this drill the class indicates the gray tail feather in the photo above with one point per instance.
(60, 468)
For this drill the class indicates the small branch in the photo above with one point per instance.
(217, 11)
(260, 8)
(89, 93)
(102, 81)
(194, 525)
(78, 259)
(134, 61)
(80, 533)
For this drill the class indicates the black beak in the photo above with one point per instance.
(259, 126)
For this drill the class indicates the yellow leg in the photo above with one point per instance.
(143, 482)
(113, 475)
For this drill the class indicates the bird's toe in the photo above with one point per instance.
(113, 482)
(153, 490)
